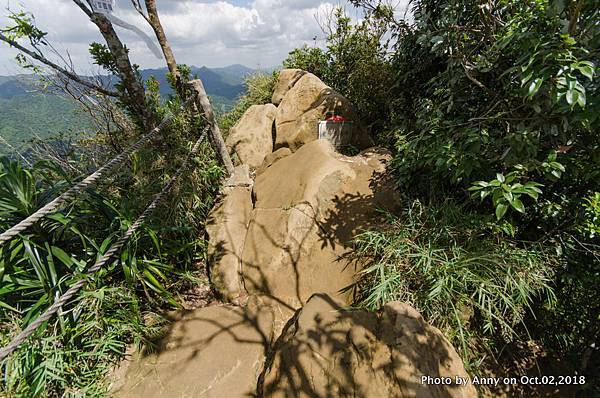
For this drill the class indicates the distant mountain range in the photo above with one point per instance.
(26, 113)
(225, 82)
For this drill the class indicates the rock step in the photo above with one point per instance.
(324, 350)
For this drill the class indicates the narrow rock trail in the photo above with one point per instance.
(280, 254)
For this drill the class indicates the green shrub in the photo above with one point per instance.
(354, 63)
(493, 107)
(441, 259)
(259, 90)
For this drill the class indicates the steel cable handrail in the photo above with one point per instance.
(89, 180)
(103, 260)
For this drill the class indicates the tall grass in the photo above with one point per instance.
(444, 261)
(71, 354)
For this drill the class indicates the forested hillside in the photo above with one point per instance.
(38, 116)
(26, 113)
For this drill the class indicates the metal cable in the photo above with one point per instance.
(91, 179)
(116, 247)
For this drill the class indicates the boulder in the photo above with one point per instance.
(252, 136)
(328, 350)
(272, 158)
(287, 79)
(307, 103)
(226, 227)
(308, 208)
(210, 352)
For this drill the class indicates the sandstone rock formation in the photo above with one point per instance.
(211, 352)
(287, 79)
(226, 227)
(331, 351)
(272, 158)
(279, 246)
(307, 208)
(252, 136)
(304, 105)
(325, 350)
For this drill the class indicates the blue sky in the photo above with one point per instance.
(202, 32)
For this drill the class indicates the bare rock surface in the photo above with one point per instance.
(272, 158)
(210, 352)
(325, 349)
(304, 105)
(280, 247)
(226, 228)
(307, 208)
(328, 350)
(252, 136)
(287, 80)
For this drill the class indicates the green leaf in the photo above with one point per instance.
(558, 166)
(532, 194)
(62, 256)
(587, 69)
(501, 210)
(570, 96)
(510, 177)
(499, 177)
(8, 307)
(526, 78)
(581, 99)
(155, 240)
(518, 205)
(535, 86)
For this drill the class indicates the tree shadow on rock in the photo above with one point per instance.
(327, 350)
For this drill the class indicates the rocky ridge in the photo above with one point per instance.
(280, 251)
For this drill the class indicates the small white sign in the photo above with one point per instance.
(338, 133)
(104, 6)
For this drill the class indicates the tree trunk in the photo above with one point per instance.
(154, 21)
(134, 88)
(215, 133)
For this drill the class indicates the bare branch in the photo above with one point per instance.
(140, 10)
(134, 88)
(69, 74)
(153, 19)
(87, 9)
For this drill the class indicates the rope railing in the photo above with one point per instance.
(105, 258)
(90, 180)
(200, 99)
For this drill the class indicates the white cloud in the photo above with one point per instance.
(213, 33)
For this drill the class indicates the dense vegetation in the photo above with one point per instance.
(27, 117)
(70, 355)
(491, 110)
